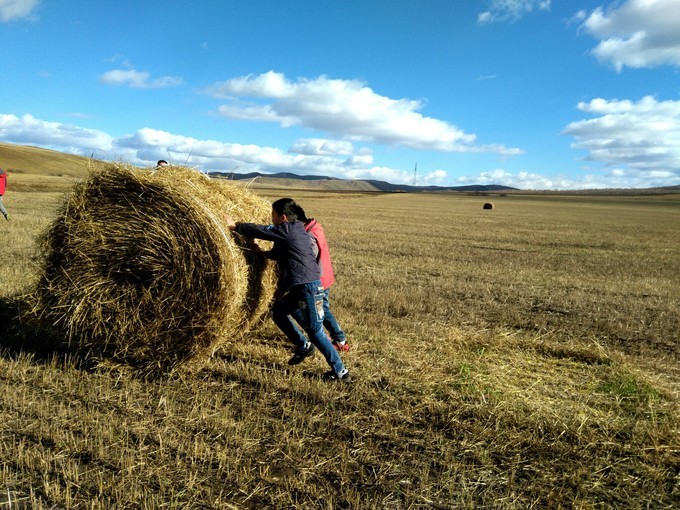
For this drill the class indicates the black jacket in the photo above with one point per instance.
(292, 250)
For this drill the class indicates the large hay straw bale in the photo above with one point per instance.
(140, 266)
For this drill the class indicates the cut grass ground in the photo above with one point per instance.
(525, 357)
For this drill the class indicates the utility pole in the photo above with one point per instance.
(415, 173)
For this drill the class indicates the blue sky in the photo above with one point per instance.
(535, 94)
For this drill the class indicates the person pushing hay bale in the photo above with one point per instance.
(140, 266)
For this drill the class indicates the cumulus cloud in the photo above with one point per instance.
(637, 33)
(54, 135)
(138, 79)
(641, 137)
(520, 180)
(345, 108)
(394, 175)
(16, 9)
(616, 178)
(216, 155)
(363, 158)
(604, 136)
(511, 10)
(145, 146)
(262, 113)
(316, 146)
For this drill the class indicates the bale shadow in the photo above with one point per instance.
(19, 335)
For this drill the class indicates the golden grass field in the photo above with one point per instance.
(523, 357)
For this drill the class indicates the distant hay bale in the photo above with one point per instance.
(140, 266)
(488, 205)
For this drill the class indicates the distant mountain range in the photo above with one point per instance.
(365, 184)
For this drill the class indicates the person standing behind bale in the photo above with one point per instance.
(300, 283)
(323, 258)
(3, 187)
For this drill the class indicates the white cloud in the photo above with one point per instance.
(145, 146)
(183, 148)
(16, 9)
(436, 177)
(641, 138)
(262, 113)
(393, 175)
(616, 178)
(321, 146)
(579, 16)
(345, 108)
(511, 10)
(138, 79)
(521, 180)
(637, 33)
(361, 159)
(329, 157)
(54, 135)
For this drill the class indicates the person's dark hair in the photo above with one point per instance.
(161, 162)
(288, 207)
(301, 216)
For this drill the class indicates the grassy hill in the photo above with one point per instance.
(23, 159)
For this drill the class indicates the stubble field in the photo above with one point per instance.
(524, 357)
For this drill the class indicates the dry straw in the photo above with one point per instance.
(140, 267)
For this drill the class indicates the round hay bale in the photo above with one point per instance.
(140, 266)
(488, 205)
(225, 197)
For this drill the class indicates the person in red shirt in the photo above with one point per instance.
(323, 258)
(3, 186)
(299, 283)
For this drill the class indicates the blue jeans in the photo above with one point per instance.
(306, 300)
(329, 323)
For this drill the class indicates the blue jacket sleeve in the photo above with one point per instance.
(277, 234)
(266, 232)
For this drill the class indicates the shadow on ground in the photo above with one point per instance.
(21, 335)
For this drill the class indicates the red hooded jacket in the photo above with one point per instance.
(3, 181)
(323, 257)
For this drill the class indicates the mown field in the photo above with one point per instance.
(524, 357)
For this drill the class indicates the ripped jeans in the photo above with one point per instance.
(330, 323)
(306, 301)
